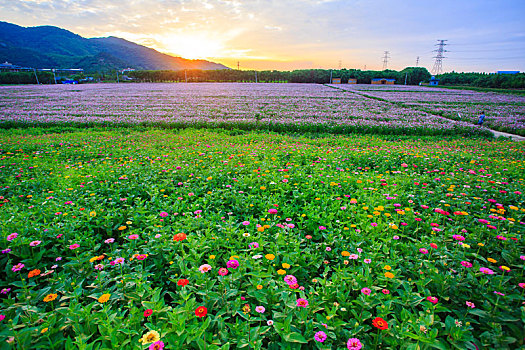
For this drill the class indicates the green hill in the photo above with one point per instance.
(53, 47)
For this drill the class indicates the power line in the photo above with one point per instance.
(385, 59)
(438, 64)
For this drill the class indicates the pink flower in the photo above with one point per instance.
(302, 302)
(354, 344)
(385, 291)
(486, 270)
(470, 304)
(366, 291)
(374, 224)
(109, 240)
(35, 243)
(367, 261)
(2, 317)
(353, 256)
(134, 236)
(245, 223)
(232, 264)
(260, 309)
(290, 279)
(272, 211)
(322, 228)
(466, 264)
(12, 236)
(320, 336)
(433, 300)
(163, 214)
(522, 285)
(204, 268)
(254, 245)
(223, 271)
(328, 249)
(74, 246)
(423, 250)
(458, 237)
(158, 345)
(17, 267)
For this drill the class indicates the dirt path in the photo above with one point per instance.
(512, 136)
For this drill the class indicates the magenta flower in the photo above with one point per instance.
(254, 245)
(423, 250)
(158, 345)
(433, 300)
(134, 236)
(245, 223)
(354, 344)
(163, 214)
(12, 236)
(522, 285)
(223, 271)
(322, 228)
(366, 291)
(466, 264)
(290, 279)
(302, 302)
(232, 264)
(272, 211)
(374, 224)
(458, 237)
(17, 267)
(486, 270)
(320, 336)
(74, 246)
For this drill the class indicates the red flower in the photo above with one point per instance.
(433, 245)
(179, 237)
(148, 312)
(378, 322)
(201, 311)
(183, 282)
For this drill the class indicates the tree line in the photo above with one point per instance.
(409, 75)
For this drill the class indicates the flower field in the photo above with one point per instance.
(273, 107)
(150, 238)
(503, 112)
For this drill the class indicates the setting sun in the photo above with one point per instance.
(193, 46)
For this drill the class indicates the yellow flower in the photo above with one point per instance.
(50, 297)
(269, 256)
(104, 298)
(491, 260)
(505, 268)
(44, 330)
(260, 229)
(388, 267)
(150, 337)
(389, 275)
(121, 228)
(281, 272)
(93, 214)
(481, 244)
(212, 257)
(286, 266)
(128, 222)
(259, 286)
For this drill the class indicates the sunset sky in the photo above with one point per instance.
(483, 35)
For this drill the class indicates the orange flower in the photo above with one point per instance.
(33, 273)
(179, 237)
(345, 253)
(50, 297)
(104, 298)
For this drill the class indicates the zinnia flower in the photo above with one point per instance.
(433, 300)
(320, 336)
(378, 322)
(232, 264)
(260, 309)
(104, 298)
(182, 282)
(354, 343)
(150, 337)
(302, 302)
(201, 311)
(223, 271)
(158, 345)
(366, 291)
(204, 268)
(50, 297)
(148, 312)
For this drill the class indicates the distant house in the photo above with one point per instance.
(336, 80)
(383, 81)
(9, 67)
(507, 72)
(433, 81)
(352, 81)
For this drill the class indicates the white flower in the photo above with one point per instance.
(257, 256)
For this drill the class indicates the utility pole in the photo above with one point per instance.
(330, 77)
(256, 76)
(385, 60)
(34, 71)
(417, 61)
(438, 64)
(54, 76)
(406, 76)
(117, 78)
(185, 76)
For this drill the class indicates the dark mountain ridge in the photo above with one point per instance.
(53, 47)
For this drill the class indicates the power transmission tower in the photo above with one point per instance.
(385, 60)
(417, 61)
(238, 63)
(438, 64)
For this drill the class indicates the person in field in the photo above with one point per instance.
(481, 118)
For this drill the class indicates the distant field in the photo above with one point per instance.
(277, 107)
(504, 112)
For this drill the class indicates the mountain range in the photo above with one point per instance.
(53, 47)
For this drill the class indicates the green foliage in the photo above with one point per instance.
(484, 80)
